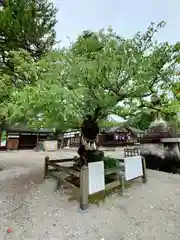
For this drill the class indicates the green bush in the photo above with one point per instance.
(110, 162)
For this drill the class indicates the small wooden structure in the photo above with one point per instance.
(122, 135)
(72, 137)
(20, 137)
(108, 137)
(80, 185)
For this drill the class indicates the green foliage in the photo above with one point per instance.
(100, 69)
(142, 120)
(41, 105)
(111, 69)
(110, 162)
(24, 70)
(108, 124)
(25, 74)
(27, 24)
(26, 34)
(42, 102)
(3, 136)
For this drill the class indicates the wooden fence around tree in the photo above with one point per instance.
(81, 177)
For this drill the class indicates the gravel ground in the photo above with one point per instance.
(34, 210)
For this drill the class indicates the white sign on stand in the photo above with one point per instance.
(96, 177)
(50, 145)
(133, 167)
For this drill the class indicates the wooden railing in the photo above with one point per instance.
(54, 169)
(131, 152)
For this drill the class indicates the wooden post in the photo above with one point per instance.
(84, 188)
(118, 173)
(46, 167)
(59, 182)
(120, 176)
(144, 177)
(122, 184)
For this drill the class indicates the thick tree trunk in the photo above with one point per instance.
(37, 142)
(88, 151)
(62, 140)
(0, 134)
(58, 133)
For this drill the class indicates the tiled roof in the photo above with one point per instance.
(24, 128)
(123, 129)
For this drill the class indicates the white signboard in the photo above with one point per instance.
(96, 177)
(50, 145)
(133, 167)
(3, 143)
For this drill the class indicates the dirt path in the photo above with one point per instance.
(34, 210)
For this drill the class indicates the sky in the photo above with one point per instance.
(125, 16)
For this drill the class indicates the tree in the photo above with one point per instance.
(25, 27)
(26, 72)
(43, 102)
(167, 105)
(142, 120)
(26, 24)
(101, 70)
(110, 69)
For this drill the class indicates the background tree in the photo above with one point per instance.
(142, 120)
(29, 25)
(26, 72)
(25, 27)
(42, 103)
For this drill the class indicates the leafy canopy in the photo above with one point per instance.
(26, 24)
(102, 70)
(27, 33)
(109, 69)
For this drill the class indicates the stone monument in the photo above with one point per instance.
(161, 147)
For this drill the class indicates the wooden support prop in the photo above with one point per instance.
(46, 167)
(59, 182)
(52, 170)
(122, 184)
(120, 176)
(144, 177)
(68, 170)
(62, 160)
(84, 188)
